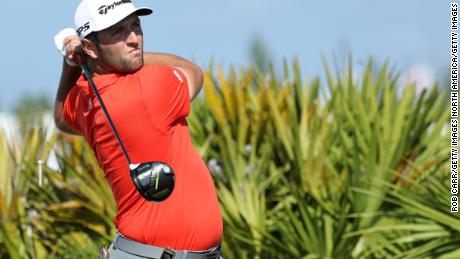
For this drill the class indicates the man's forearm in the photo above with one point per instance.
(69, 77)
(192, 71)
(166, 59)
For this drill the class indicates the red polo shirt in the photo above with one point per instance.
(148, 109)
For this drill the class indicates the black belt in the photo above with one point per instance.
(150, 251)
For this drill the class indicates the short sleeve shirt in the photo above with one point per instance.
(149, 110)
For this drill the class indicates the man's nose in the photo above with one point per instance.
(133, 38)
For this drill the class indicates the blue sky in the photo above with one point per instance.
(411, 34)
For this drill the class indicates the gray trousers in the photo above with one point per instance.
(115, 253)
(119, 254)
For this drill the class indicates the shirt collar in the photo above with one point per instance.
(102, 82)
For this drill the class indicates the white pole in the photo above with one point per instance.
(40, 172)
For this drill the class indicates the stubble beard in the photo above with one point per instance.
(123, 64)
(131, 65)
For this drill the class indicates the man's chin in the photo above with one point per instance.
(138, 67)
(132, 68)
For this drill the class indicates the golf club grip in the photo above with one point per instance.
(107, 115)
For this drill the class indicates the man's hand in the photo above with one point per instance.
(74, 52)
(69, 45)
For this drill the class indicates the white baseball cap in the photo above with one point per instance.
(97, 15)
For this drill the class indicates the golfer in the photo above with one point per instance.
(148, 97)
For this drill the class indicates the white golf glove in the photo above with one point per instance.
(59, 42)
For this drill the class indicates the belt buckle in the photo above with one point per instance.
(168, 254)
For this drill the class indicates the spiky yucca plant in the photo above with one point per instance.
(321, 172)
(73, 209)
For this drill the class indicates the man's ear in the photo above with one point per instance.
(89, 48)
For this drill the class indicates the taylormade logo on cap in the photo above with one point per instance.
(97, 15)
(104, 8)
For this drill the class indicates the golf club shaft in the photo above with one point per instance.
(99, 98)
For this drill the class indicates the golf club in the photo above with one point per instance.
(153, 180)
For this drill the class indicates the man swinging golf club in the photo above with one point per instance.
(131, 108)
